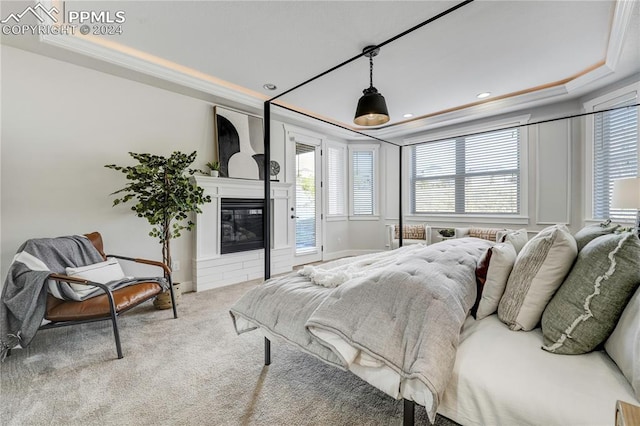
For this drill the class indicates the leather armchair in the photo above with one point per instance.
(107, 306)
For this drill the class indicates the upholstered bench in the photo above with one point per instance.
(411, 234)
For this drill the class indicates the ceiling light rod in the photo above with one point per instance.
(384, 43)
(370, 52)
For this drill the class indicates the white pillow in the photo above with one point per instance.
(518, 238)
(501, 261)
(102, 272)
(623, 346)
(540, 269)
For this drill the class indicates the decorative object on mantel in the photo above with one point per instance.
(214, 168)
(239, 144)
(164, 195)
(274, 170)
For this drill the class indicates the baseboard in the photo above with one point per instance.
(345, 253)
(187, 286)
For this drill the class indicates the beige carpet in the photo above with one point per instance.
(193, 370)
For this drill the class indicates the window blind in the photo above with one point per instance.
(478, 174)
(336, 181)
(363, 182)
(615, 156)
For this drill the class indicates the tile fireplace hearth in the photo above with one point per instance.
(229, 235)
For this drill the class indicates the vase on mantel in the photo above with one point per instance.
(215, 173)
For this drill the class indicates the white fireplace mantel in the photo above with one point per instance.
(211, 269)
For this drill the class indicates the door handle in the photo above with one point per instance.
(294, 216)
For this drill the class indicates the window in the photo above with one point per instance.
(306, 201)
(363, 180)
(478, 174)
(336, 180)
(615, 154)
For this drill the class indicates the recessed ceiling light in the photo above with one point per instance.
(483, 95)
(270, 86)
(408, 115)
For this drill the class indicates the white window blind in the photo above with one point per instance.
(615, 156)
(478, 174)
(336, 181)
(362, 166)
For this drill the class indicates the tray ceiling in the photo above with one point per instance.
(509, 48)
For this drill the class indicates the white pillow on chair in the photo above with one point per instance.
(102, 272)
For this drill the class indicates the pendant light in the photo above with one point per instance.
(372, 108)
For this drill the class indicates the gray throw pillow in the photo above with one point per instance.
(586, 308)
(590, 232)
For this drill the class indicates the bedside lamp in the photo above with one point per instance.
(626, 195)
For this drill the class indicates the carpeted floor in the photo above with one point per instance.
(193, 370)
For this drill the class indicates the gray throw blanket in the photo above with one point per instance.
(24, 295)
(406, 317)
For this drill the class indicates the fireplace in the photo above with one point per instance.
(241, 225)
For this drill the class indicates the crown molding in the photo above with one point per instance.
(153, 66)
(621, 17)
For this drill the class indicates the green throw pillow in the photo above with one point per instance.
(590, 232)
(586, 308)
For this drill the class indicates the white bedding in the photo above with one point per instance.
(396, 326)
(375, 372)
(502, 377)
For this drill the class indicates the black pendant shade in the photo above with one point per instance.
(372, 108)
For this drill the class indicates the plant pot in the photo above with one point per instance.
(215, 173)
(163, 300)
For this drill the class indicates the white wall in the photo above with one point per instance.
(61, 124)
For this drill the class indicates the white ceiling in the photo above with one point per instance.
(520, 51)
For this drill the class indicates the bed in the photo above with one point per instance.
(392, 319)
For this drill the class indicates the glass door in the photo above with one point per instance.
(308, 204)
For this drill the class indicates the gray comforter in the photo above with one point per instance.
(408, 315)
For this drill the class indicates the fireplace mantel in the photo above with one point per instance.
(211, 269)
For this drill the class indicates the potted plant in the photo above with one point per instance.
(447, 233)
(214, 168)
(164, 195)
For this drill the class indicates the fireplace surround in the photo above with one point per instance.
(213, 267)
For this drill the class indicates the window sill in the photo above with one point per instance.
(469, 219)
(371, 218)
(617, 222)
(336, 218)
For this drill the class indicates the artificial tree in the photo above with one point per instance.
(163, 194)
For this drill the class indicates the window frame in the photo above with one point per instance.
(608, 100)
(520, 218)
(330, 144)
(374, 148)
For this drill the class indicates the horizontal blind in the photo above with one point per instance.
(336, 181)
(473, 174)
(363, 186)
(615, 155)
(492, 174)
